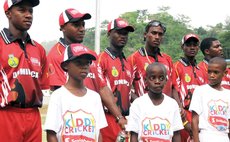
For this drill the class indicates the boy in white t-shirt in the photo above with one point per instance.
(210, 106)
(75, 113)
(155, 116)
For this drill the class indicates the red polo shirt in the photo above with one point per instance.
(26, 68)
(118, 74)
(187, 78)
(139, 62)
(58, 77)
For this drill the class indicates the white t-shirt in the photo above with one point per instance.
(152, 122)
(213, 109)
(75, 118)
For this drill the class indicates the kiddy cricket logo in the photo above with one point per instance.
(156, 129)
(78, 126)
(217, 114)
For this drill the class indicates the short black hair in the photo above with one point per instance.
(220, 61)
(206, 43)
(157, 64)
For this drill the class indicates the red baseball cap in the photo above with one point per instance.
(9, 3)
(118, 24)
(188, 36)
(76, 50)
(72, 15)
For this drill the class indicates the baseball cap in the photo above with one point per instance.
(118, 24)
(9, 3)
(72, 15)
(188, 36)
(76, 50)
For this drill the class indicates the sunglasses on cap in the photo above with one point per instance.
(156, 24)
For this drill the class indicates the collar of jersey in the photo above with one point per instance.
(8, 37)
(186, 62)
(142, 52)
(63, 42)
(113, 54)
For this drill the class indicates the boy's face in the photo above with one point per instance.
(156, 79)
(78, 68)
(215, 74)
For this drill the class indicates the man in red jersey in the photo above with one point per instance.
(118, 74)
(139, 60)
(23, 75)
(72, 25)
(188, 76)
(211, 47)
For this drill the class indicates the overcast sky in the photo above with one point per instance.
(45, 24)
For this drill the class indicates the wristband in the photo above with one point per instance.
(186, 122)
(118, 118)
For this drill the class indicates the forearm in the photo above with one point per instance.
(195, 127)
(133, 96)
(175, 96)
(108, 100)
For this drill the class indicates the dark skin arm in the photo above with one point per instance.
(108, 100)
(133, 137)
(51, 136)
(195, 128)
(176, 136)
(229, 128)
(175, 96)
(133, 96)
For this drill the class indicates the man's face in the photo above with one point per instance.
(190, 48)
(119, 38)
(154, 36)
(74, 32)
(215, 50)
(21, 16)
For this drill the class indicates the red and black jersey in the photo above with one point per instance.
(118, 74)
(26, 68)
(203, 65)
(187, 78)
(139, 62)
(58, 77)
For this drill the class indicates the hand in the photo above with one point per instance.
(122, 122)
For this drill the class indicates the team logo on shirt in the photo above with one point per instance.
(115, 72)
(218, 114)
(13, 61)
(155, 129)
(187, 78)
(35, 61)
(78, 126)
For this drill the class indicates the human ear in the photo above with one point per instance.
(8, 14)
(206, 51)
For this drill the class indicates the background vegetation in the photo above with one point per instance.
(176, 28)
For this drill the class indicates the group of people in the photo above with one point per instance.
(95, 97)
